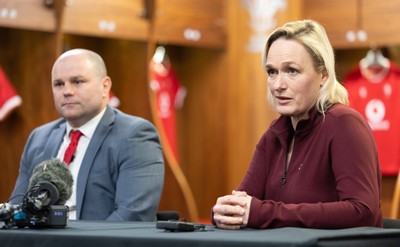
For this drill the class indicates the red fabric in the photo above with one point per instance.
(169, 95)
(379, 103)
(114, 100)
(9, 100)
(74, 139)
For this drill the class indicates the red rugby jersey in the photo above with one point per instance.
(379, 102)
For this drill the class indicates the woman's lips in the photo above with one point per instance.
(282, 100)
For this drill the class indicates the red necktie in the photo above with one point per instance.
(69, 153)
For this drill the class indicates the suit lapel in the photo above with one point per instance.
(54, 142)
(99, 135)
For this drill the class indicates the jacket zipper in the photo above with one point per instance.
(285, 168)
(284, 179)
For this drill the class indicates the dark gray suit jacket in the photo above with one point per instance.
(122, 173)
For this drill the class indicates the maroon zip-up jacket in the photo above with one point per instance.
(333, 179)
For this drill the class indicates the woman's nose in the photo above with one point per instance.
(279, 82)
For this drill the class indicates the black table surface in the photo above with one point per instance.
(109, 234)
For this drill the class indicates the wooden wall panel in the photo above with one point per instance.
(26, 57)
(119, 19)
(337, 23)
(201, 128)
(19, 14)
(380, 19)
(190, 22)
(202, 123)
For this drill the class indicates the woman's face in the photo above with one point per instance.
(292, 79)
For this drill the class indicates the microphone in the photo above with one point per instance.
(50, 184)
(43, 205)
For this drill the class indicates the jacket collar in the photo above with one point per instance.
(283, 127)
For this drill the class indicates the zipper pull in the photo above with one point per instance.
(283, 179)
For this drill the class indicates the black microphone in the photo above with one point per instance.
(50, 184)
(43, 205)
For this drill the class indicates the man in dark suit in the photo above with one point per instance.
(118, 168)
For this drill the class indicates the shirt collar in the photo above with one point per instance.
(89, 127)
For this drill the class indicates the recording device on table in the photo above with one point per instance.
(43, 205)
(179, 226)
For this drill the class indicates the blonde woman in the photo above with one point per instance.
(317, 164)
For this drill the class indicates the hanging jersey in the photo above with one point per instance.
(379, 103)
(169, 96)
(9, 99)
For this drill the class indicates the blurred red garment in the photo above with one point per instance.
(170, 95)
(114, 100)
(375, 93)
(9, 99)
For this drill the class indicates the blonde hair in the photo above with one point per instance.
(314, 38)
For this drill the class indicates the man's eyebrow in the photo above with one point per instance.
(72, 78)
